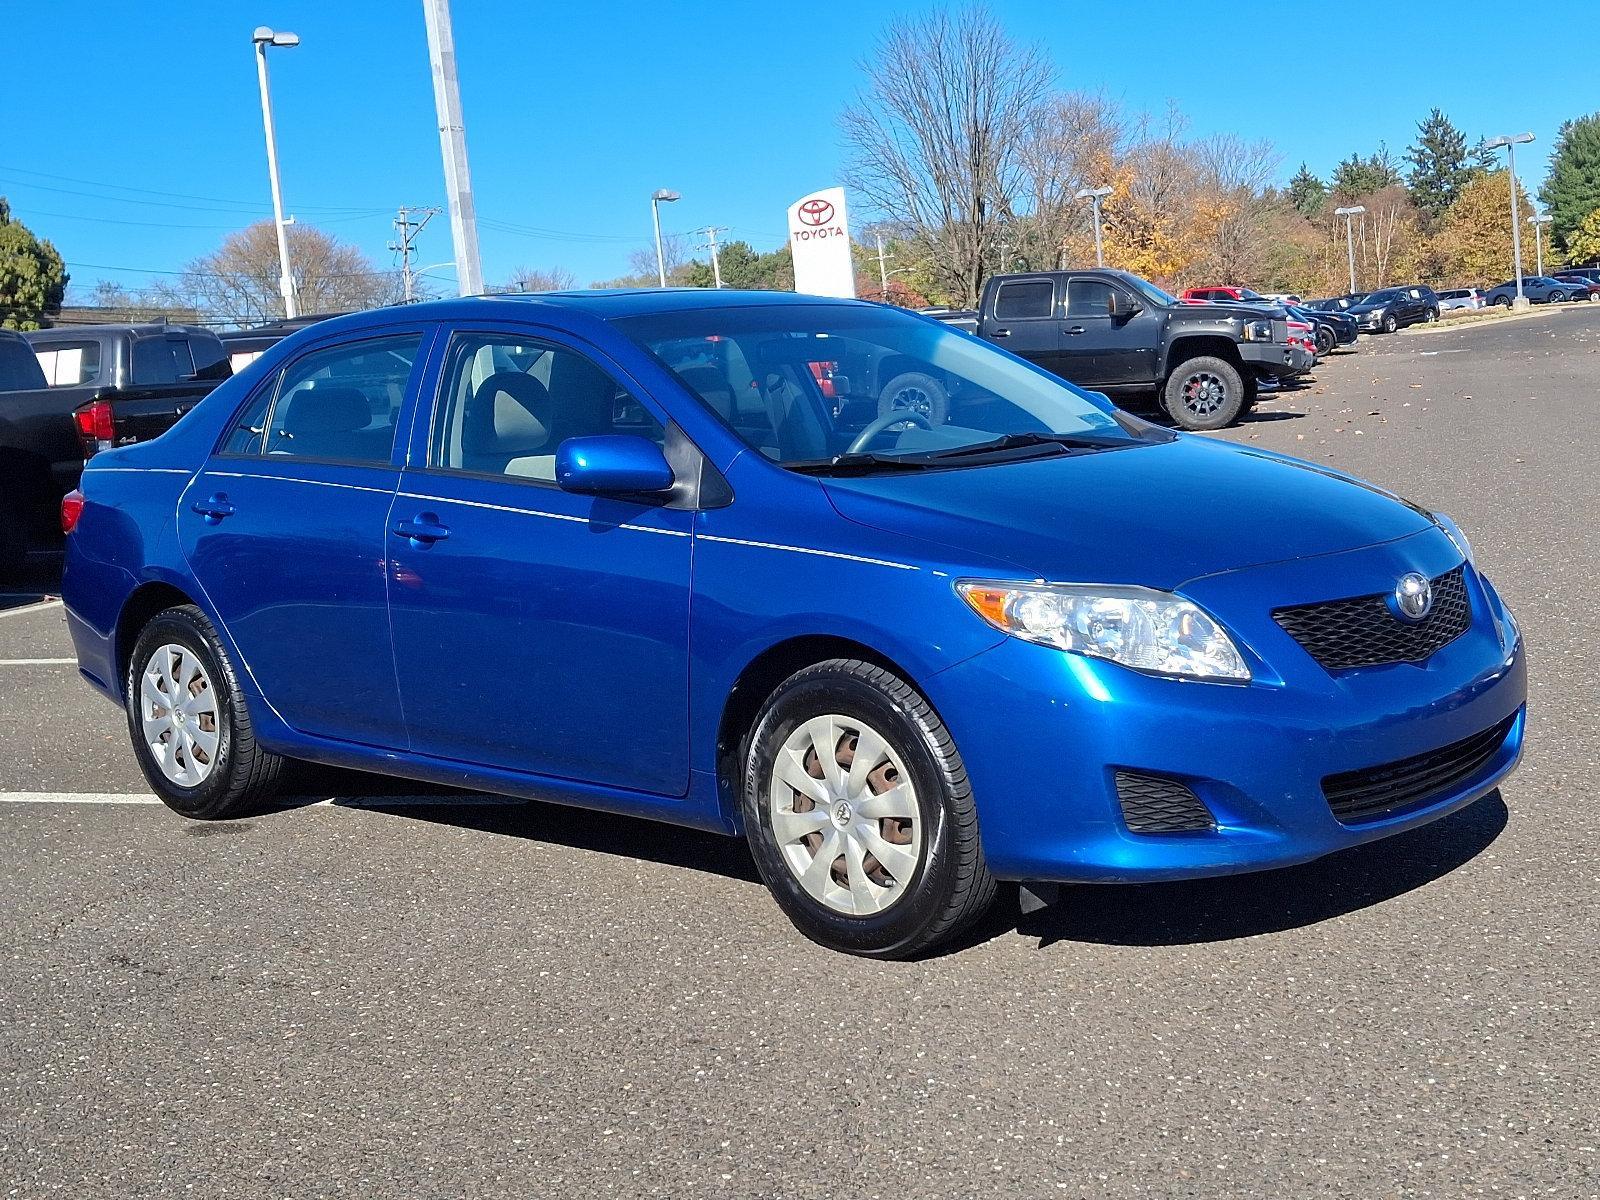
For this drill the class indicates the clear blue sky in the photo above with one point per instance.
(576, 111)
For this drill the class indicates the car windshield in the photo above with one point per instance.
(1380, 297)
(1146, 289)
(839, 386)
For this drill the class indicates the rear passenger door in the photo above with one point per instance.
(537, 630)
(285, 531)
(1025, 319)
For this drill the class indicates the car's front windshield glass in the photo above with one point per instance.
(809, 384)
(1380, 297)
(1146, 289)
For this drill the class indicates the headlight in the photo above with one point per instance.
(1137, 627)
(1453, 532)
(1258, 331)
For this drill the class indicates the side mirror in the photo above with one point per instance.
(612, 464)
(1121, 306)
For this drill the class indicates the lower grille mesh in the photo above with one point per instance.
(1156, 804)
(1378, 791)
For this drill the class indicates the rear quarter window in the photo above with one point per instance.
(69, 364)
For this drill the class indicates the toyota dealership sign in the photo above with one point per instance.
(819, 234)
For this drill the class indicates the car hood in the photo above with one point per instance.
(1373, 307)
(1154, 514)
(1236, 309)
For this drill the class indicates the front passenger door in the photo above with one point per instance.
(1106, 349)
(536, 630)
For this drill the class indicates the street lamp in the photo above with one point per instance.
(1350, 214)
(1511, 143)
(1539, 221)
(657, 198)
(1094, 196)
(264, 37)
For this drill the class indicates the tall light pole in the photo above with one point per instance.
(1350, 214)
(1094, 196)
(453, 146)
(264, 37)
(1539, 221)
(1511, 142)
(657, 198)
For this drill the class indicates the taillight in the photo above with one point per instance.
(71, 510)
(96, 426)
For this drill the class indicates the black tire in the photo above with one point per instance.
(1502, 301)
(1191, 393)
(1325, 341)
(1390, 323)
(243, 774)
(951, 886)
(919, 392)
(1431, 316)
(1555, 297)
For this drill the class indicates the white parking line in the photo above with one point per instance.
(37, 662)
(74, 798)
(30, 608)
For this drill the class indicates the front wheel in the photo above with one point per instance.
(859, 813)
(917, 392)
(1325, 341)
(190, 726)
(1390, 323)
(1204, 393)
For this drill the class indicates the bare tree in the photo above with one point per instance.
(1069, 144)
(539, 279)
(239, 280)
(935, 139)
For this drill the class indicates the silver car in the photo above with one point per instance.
(1468, 298)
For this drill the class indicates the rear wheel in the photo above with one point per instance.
(1325, 341)
(1431, 315)
(1502, 301)
(190, 726)
(859, 813)
(1204, 393)
(1555, 297)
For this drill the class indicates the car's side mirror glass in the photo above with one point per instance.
(612, 464)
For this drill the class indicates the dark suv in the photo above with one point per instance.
(1389, 309)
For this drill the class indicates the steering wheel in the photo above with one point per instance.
(888, 421)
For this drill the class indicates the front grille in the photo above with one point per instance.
(1280, 331)
(1156, 804)
(1365, 632)
(1378, 791)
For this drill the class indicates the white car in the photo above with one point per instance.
(1284, 298)
(1465, 298)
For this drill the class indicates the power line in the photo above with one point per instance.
(406, 231)
(710, 244)
(120, 187)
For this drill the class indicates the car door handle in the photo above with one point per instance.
(1074, 331)
(213, 508)
(424, 529)
(994, 333)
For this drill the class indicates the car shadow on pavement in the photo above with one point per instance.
(1237, 906)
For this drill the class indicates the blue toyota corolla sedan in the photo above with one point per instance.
(909, 614)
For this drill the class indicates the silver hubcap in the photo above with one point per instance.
(178, 709)
(844, 814)
(1204, 393)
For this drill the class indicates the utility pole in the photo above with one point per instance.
(1094, 196)
(710, 244)
(1349, 214)
(453, 146)
(1539, 222)
(406, 231)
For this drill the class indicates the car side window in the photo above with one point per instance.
(340, 403)
(69, 364)
(1088, 298)
(509, 401)
(1024, 298)
(158, 360)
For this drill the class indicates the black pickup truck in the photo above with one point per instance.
(67, 392)
(1119, 334)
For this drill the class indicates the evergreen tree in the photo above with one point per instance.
(1572, 190)
(1440, 165)
(33, 278)
(1357, 176)
(1306, 192)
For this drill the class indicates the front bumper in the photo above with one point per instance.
(1043, 759)
(1275, 360)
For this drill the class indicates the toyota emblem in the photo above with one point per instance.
(816, 211)
(1413, 596)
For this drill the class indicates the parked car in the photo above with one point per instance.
(1389, 309)
(1223, 294)
(1468, 299)
(1539, 289)
(244, 346)
(1120, 334)
(90, 387)
(1337, 303)
(1330, 329)
(632, 560)
(1287, 299)
(1592, 274)
(1584, 286)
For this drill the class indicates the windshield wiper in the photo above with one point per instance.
(1013, 441)
(858, 464)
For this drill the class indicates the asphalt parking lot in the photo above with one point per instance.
(373, 992)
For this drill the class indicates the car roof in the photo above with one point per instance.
(69, 333)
